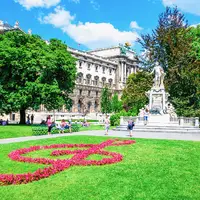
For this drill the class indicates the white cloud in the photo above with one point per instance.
(75, 1)
(95, 4)
(28, 4)
(134, 25)
(60, 18)
(92, 35)
(190, 6)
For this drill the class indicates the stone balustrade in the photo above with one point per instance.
(179, 121)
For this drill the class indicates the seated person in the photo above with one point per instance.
(68, 126)
(85, 124)
(62, 126)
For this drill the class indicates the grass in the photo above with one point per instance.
(150, 170)
(12, 131)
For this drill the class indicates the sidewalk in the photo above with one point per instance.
(122, 134)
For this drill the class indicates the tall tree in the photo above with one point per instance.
(106, 100)
(116, 105)
(133, 96)
(34, 73)
(170, 45)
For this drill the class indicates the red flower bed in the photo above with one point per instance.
(79, 158)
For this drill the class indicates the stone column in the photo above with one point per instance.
(181, 121)
(196, 122)
(122, 73)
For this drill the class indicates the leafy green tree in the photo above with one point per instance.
(174, 45)
(105, 100)
(34, 73)
(116, 105)
(133, 96)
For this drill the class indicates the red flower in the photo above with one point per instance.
(79, 158)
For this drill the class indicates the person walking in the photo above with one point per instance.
(28, 120)
(107, 125)
(49, 124)
(146, 116)
(32, 118)
(131, 124)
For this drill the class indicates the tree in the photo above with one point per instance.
(171, 45)
(133, 96)
(34, 73)
(105, 100)
(116, 105)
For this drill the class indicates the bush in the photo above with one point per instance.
(115, 118)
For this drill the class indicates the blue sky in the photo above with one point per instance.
(92, 23)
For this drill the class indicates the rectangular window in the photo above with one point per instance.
(80, 64)
(88, 66)
(103, 70)
(96, 67)
(89, 93)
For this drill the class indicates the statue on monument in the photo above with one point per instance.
(159, 76)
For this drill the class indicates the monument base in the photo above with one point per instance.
(158, 100)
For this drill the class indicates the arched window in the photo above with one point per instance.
(89, 106)
(110, 81)
(103, 81)
(96, 105)
(80, 105)
(88, 79)
(96, 80)
(80, 77)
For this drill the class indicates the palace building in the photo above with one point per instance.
(96, 68)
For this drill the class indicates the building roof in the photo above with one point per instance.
(4, 27)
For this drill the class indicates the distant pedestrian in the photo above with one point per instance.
(49, 124)
(28, 120)
(131, 124)
(107, 125)
(32, 118)
(146, 116)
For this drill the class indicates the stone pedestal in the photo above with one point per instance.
(157, 100)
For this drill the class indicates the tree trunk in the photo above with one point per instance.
(22, 116)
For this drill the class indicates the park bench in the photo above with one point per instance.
(42, 129)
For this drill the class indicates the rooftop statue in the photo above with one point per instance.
(124, 48)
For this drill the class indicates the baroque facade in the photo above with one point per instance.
(96, 68)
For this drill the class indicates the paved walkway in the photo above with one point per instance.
(122, 134)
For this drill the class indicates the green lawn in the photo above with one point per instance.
(13, 131)
(151, 169)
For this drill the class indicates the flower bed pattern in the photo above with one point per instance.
(59, 165)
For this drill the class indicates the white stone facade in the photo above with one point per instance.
(95, 70)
